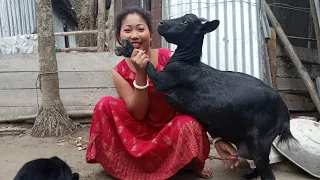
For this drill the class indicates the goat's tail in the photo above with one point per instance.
(285, 134)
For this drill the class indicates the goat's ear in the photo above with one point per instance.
(209, 26)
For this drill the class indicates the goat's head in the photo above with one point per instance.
(186, 29)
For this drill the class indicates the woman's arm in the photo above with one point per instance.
(136, 100)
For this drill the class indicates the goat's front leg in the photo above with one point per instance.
(154, 75)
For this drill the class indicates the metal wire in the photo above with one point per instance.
(210, 4)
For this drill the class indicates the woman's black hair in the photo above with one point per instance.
(146, 15)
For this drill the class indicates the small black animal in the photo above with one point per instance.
(235, 106)
(46, 169)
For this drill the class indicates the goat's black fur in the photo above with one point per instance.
(125, 50)
(46, 169)
(235, 106)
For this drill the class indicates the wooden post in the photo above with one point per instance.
(272, 51)
(293, 56)
(156, 8)
(316, 25)
(110, 36)
(87, 21)
(101, 38)
(119, 5)
(130, 3)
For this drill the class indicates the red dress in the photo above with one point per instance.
(155, 148)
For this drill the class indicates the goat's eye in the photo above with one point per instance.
(185, 23)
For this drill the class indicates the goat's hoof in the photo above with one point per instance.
(253, 175)
(246, 177)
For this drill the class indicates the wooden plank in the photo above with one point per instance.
(26, 80)
(14, 112)
(272, 49)
(297, 114)
(287, 70)
(79, 61)
(69, 97)
(304, 54)
(291, 84)
(298, 102)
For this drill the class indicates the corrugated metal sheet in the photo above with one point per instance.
(72, 38)
(235, 45)
(17, 17)
(58, 27)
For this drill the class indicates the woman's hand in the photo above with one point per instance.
(227, 153)
(139, 60)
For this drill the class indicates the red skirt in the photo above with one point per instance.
(131, 149)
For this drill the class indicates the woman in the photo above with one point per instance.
(139, 136)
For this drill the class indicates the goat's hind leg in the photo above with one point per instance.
(243, 151)
(260, 149)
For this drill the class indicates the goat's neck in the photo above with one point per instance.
(190, 53)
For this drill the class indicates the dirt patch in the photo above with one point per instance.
(17, 149)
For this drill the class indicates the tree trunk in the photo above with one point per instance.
(87, 21)
(52, 119)
(110, 36)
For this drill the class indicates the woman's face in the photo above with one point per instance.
(135, 29)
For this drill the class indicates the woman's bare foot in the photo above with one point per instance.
(195, 167)
(205, 173)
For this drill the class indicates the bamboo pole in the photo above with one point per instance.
(75, 32)
(79, 49)
(293, 56)
(101, 38)
(316, 25)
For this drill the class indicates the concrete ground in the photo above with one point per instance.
(17, 149)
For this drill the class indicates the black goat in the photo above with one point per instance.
(235, 106)
(46, 169)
